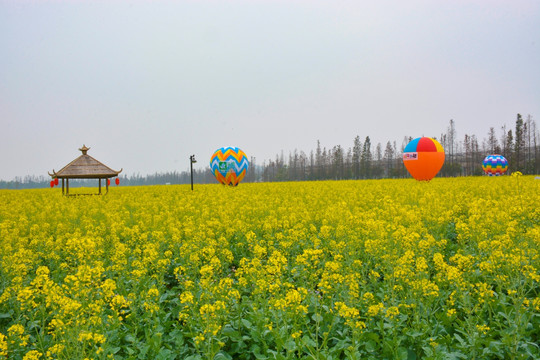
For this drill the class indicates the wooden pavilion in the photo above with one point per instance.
(84, 167)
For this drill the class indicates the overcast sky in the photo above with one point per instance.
(145, 84)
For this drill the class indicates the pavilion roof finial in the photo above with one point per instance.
(84, 149)
(85, 167)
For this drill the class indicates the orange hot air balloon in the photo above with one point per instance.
(423, 157)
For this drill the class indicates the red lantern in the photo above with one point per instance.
(52, 183)
(108, 182)
(55, 181)
(117, 181)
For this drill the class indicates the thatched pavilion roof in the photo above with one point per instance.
(85, 167)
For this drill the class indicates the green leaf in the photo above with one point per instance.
(177, 337)
(231, 333)
(290, 345)
(155, 341)
(194, 357)
(143, 350)
(457, 355)
(222, 356)
(260, 356)
(165, 354)
(371, 346)
(373, 336)
(309, 341)
(129, 338)
(415, 334)
(247, 323)
(317, 317)
(402, 353)
(6, 315)
(460, 339)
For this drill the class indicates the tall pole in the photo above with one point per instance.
(191, 161)
(191, 165)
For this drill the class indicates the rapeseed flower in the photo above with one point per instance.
(333, 261)
(32, 355)
(3, 345)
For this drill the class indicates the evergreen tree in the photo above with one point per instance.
(377, 168)
(366, 159)
(337, 163)
(509, 146)
(389, 157)
(318, 161)
(519, 143)
(356, 155)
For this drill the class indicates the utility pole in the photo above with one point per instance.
(191, 162)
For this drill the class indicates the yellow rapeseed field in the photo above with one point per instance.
(378, 269)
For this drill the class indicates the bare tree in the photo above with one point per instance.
(451, 140)
(519, 144)
(529, 135)
(492, 143)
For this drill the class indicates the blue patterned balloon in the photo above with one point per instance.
(229, 165)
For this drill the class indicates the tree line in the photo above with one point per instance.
(362, 160)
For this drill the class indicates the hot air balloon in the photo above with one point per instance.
(495, 165)
(229, 165)
(423, 157)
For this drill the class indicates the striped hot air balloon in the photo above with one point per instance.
(495, 165)
(229, 165)
(423, 157)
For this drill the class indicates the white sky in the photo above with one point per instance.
(145, 84)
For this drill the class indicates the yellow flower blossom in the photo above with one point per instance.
(392, 312)
(374, 310)
(88, 336)
(16, 335)
(55, 350)
(198, 339)
(153, 293)
(32, 355)
(3, 345)
(186, 297)
(483, 329)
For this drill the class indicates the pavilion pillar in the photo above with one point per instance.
(99, 186)
(107, 186)
(62, 186)
(67, 186)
